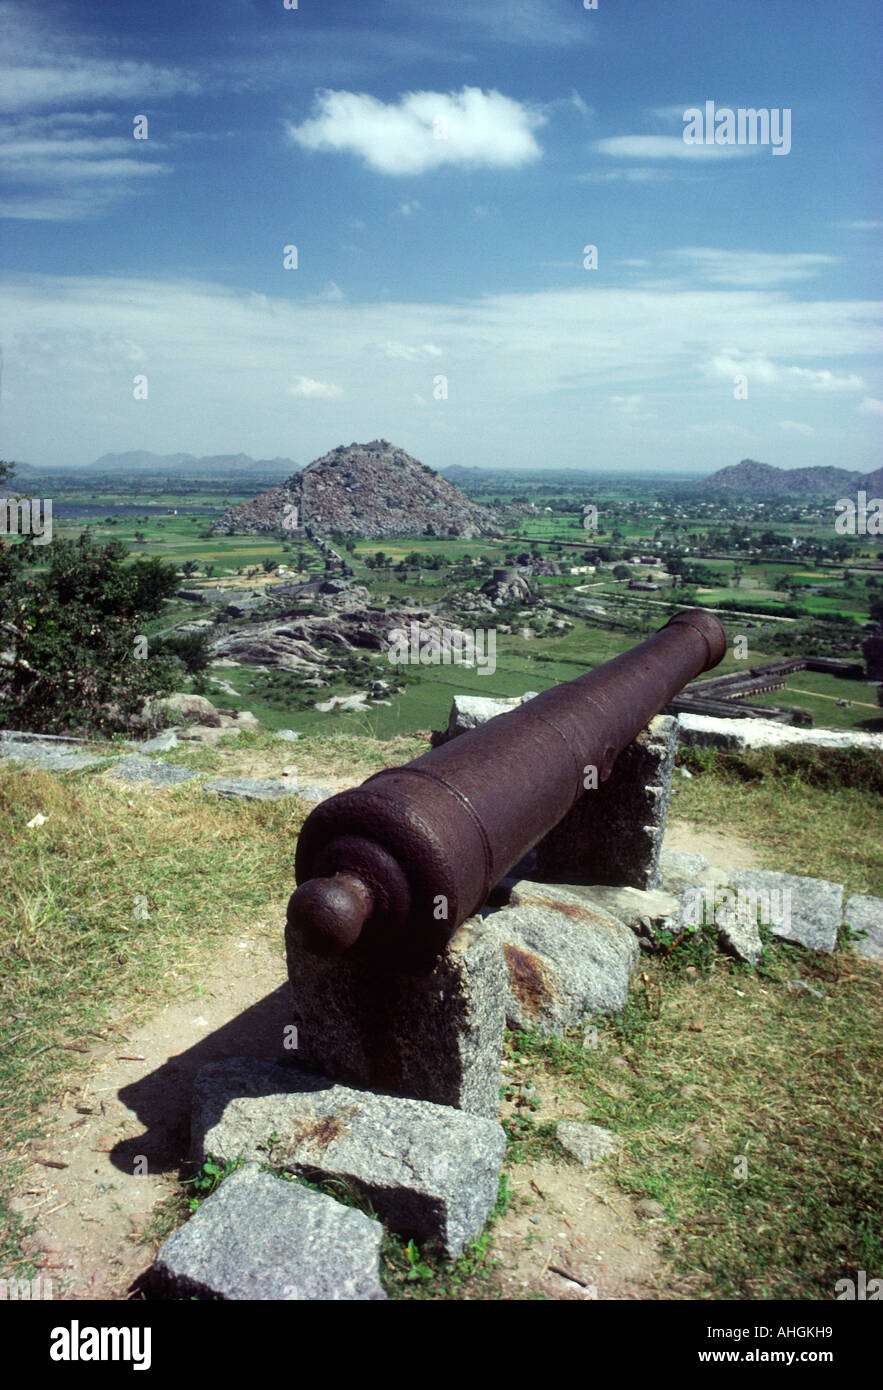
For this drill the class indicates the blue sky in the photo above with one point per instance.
(440, 167)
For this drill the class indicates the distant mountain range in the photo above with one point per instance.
(763, 480)
(184, 465)
(750, 478)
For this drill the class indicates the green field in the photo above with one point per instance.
(627, 523)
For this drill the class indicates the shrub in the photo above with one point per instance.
(72, 658)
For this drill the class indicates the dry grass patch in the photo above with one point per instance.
(109, 906)
(808, 811)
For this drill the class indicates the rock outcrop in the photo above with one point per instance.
(371, 490)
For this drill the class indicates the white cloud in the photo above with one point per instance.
(64, 171)
(626, 176)
(667, 147)
(530, 24)
(795, 427)
(403, 353)
(309, 390)
(522, 368)
(871, 406)
(408, 208)
(858, 226)
(45, 63)
(751, 268)
(760, 369)
(60, 164)
(425, 130)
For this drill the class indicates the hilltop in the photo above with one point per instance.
(763, 480)
(370, 490)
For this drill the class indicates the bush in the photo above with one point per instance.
(72, 658)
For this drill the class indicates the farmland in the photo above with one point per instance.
(783, 565)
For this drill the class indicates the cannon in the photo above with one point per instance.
(388, 871)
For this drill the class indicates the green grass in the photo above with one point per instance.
(807, 811)
(409, 1271)
(819, 692)
(751, 1113)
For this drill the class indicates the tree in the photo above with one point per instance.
(269, 566)
(621, 572)
(189, 567)
(190, 650)
(75, 655)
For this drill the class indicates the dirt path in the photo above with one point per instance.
(121, 1133)
(722, 850)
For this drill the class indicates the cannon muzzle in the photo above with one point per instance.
(389, 870)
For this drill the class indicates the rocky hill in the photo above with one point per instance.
(763, 480)
(370, 490)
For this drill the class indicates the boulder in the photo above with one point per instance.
(183, 707)
(565, 958)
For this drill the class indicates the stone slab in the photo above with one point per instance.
(48, 756)
(470, 711)
(250, 788)
(314, 794)
(683, 864)
(259, 1237)
(134, 768)
(430, 1171)
(436, 1037)
(642, 911)
(864, 913)
(813, 913)
(705, 731)
(160, 743)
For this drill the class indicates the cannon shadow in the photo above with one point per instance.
(162, 1098)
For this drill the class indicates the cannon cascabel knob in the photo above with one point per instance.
(330, 912)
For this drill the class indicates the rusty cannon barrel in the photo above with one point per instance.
(389, 870)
